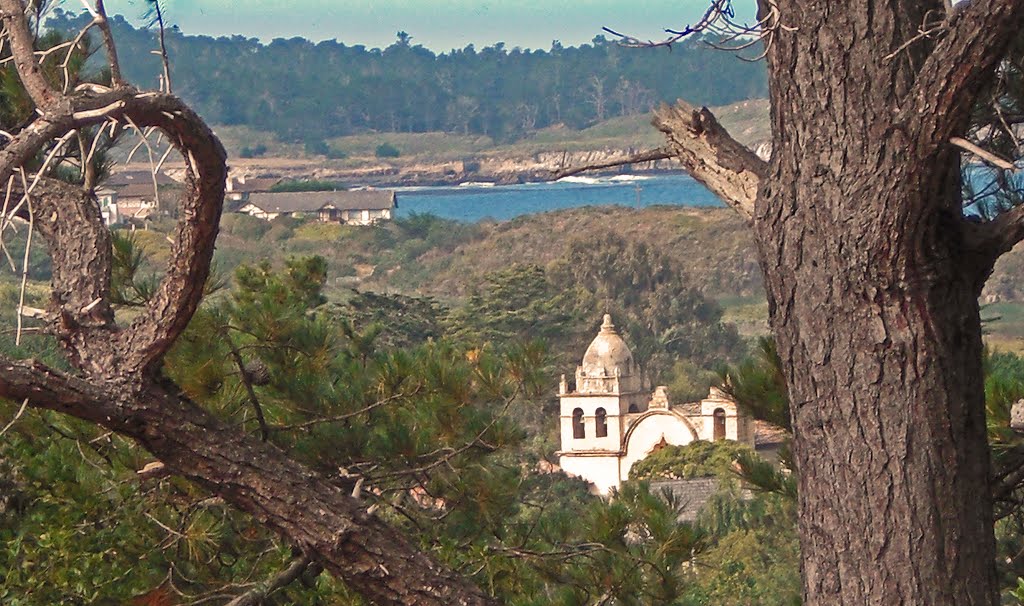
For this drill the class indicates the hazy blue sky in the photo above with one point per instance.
(437, 24)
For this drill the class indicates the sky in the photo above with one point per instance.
(440, 25)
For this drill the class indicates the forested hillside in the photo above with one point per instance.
(306, 92)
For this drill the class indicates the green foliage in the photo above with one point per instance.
(297, 185)
(78, 527)
(319, 147)
(255, 151)
(663, 318)
(749, 550)
(1018, 592)
(399, 321)
(687, 382)
(245, 227)
(515, 304)
(759, 386)
(127, 286)
(759, 566)
(386, 150)
(500, 92)
(428, 425)
(695, 460)
(15, 104)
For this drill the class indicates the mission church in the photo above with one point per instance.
(610, 420)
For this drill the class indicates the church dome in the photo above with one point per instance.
(608, 353)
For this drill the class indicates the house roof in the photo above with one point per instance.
(252, 185)
(127, 178)
(296, 202)
(135, 190)
(691, 495)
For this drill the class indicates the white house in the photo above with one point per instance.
(238, 189)
(609, 421)
(363, 207)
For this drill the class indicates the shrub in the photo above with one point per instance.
(255, 151)
(307, 185)
(316, 147)
(695, 460)
(243, 226)
(386, 150)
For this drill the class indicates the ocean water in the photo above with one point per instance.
(472, 202)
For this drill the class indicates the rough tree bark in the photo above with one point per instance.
(117, 383)
(872, 276)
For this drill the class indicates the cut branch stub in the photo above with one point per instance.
(706, 150)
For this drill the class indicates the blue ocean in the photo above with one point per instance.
(470, 202)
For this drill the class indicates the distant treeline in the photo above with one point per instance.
(304, 91)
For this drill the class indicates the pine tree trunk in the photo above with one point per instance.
(882, 345)
(873, 301)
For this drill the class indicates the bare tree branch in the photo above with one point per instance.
(243, 374)
(725, 166)
(167, 313)
(343, 417)
(257, 595)
(719, 20)
(651, 155)
(982, 153)
(115, 384)
(17, 416)
(108, 41)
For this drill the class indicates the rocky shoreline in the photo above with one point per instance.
(420, 172)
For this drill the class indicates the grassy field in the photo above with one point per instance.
(747, 120)
(749, 314)
(1004, 326)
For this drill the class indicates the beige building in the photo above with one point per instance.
(238, 189)
(610, 421)
(362, 207)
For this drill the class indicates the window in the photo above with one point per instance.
(601, 417)
(719, 424)
(578, 431)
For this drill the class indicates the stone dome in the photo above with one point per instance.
(607, 353)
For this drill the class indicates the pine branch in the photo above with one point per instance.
(259, 595)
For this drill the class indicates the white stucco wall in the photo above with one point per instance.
(601, 471)
(648, 432)
(589, 406)
(738, 427)
(605, 461)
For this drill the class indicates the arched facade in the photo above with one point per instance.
(651, 429)
(610, 420)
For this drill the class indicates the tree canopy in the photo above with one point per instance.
(495, 91)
